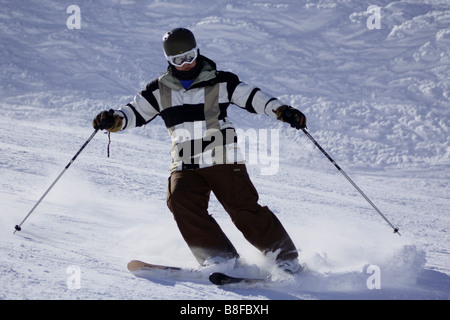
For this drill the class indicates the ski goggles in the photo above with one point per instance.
(181, 59)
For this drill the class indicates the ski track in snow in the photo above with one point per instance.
(376, 100)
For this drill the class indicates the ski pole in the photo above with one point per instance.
(19, 226)
(350, 180)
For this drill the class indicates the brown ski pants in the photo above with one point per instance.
(188, 197)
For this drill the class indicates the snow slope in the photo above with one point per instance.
(376, 99)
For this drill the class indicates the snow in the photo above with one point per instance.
(377, 100)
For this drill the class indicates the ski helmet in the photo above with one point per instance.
(177, 41)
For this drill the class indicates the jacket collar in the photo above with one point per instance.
(208, 72)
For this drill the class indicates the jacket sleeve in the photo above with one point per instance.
(254, 100)
(143, 109)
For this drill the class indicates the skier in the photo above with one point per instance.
(192, 98)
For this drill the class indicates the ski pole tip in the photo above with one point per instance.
(17, 227)
(396, 231)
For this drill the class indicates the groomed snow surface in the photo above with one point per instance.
(377, 100)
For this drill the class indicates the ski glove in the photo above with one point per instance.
(292, 116)
(107, 120)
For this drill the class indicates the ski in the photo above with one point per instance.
(221, 279)
(137, 265)
(154, 271)
(148, 270)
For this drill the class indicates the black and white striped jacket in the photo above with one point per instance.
(202, 134)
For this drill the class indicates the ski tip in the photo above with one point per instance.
(217, 278)
(134, 265)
